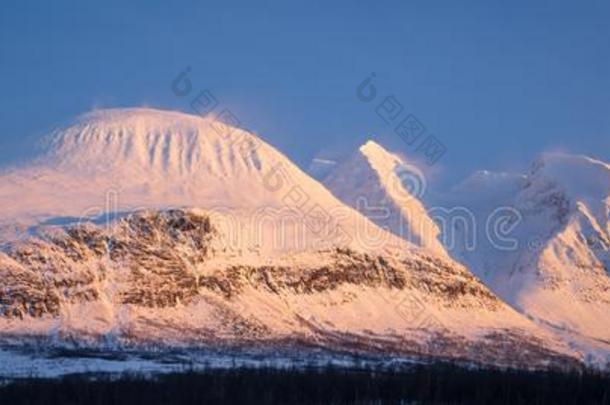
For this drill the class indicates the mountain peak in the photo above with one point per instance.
(372, 150)
(136, 114)
(371, 146)
(165, 142)
(380, 184)
(127, 159)
(579, 175)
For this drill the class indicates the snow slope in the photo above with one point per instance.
(387, 190)
(128, 159)
(558, 270)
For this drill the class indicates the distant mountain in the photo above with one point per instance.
(387, 190)
(153, 229)
(540, 240)
(558, 271)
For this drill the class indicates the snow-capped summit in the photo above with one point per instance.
(386, 189)
(556, 268)
(578, 175)
(137, 158)
(156, 142)
(485, 184)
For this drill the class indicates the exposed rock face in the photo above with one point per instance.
(435, 278)
(164, 269)
(25, 293)
(159, 259)
(152, 255)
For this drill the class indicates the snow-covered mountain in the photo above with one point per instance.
(556, 267)
(387, 190)
(124, 160)
(539, 240)
(146, 227)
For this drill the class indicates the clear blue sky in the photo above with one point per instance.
(496, 82)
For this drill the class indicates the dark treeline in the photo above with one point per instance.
(428, 384)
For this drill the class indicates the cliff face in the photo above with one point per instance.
(158, 259)
(75, 265)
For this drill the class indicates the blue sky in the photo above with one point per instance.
(496, 82)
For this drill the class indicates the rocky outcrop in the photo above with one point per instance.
(156, 258)
(149, 255)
